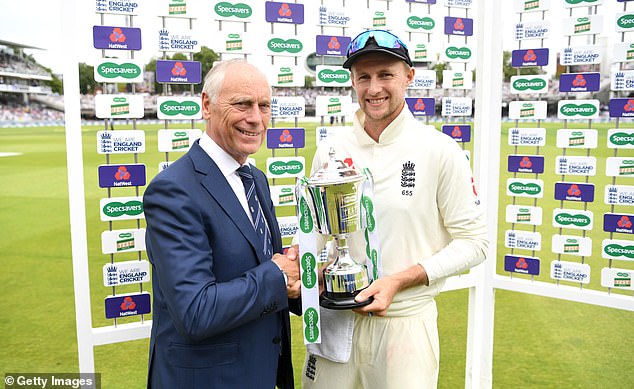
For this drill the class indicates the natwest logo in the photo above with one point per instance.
(116, 38)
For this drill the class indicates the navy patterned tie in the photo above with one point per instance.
(259, 223)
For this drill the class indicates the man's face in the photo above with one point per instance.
(237, 121)
(380, 81)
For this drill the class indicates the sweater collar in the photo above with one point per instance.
(389, 135)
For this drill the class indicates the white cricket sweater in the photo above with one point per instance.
(426, 206)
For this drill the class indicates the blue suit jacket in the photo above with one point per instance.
(220, 315)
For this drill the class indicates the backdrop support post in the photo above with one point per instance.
(76, 201)
(487, 119)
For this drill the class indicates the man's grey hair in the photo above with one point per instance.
(216, 76)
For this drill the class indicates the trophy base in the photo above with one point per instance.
(342, 303)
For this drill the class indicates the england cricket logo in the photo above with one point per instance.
(408, 178)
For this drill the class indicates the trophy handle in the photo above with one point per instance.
(300, 187)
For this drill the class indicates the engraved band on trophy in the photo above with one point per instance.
(334, 200)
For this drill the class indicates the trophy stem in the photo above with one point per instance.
(344, 279)
(342, 245)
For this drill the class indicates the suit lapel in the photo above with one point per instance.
(212, 179)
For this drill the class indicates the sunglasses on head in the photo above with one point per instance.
(382, 38)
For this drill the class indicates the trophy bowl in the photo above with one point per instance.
(334, 199)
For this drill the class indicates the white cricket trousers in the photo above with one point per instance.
(392, 352)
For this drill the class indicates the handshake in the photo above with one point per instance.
(289, 264)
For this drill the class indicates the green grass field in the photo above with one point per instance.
(539, 342)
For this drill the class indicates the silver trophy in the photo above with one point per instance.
(334, 199)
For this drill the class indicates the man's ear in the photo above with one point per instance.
(205, 101)
(410, 75)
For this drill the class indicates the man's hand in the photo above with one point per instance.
(289, 264)
(384, 289)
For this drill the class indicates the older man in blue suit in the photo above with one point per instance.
(222, 289)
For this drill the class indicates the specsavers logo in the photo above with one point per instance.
(527, 188)
(337, 76)
(125, 70)
(115, 209)
(566, 219)
(368, 206)
(453, 52)
(173, 108)
(278, 45)
(524, 84)
(305, 219)
(311, 330)
(281, 167)
(309, 274)
(426, 23)
(622, 139)
(575, 2)
(571, 110)
(239, 10)
(626, 21)
(616, 250)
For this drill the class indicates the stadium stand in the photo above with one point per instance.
(22, 86)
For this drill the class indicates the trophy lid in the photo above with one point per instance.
(334, 171)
